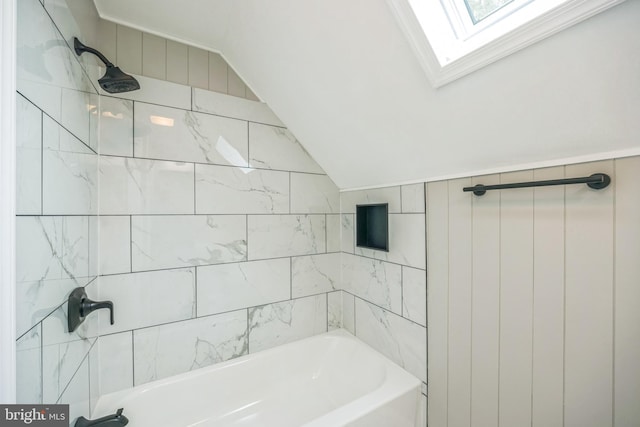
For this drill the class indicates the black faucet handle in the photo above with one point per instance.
(87, 306)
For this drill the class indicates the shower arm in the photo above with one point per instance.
(80, 49)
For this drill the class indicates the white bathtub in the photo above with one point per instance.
(328, 380)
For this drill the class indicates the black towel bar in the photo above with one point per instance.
(596, 181)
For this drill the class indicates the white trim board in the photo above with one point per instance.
(7, 200)
(564, 16)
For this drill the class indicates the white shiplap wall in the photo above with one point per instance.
(534, 301)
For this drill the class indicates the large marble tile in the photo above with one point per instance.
(414, 295)
(46, 65)
(334, 233)
(160, 92)
(115, 244)
(180, 135)
(94, 246)
(116, 126)
(400, 340)
(39, 298)
(273, 236)
(29, 367)
(55, 329)
(228, 190)
(232, 106)
(77, 395)
(175, 348)
(313, 194)
(233, 286)
(62, 16)
(56, 138)
(51, 248)
(94, 376)
(79, 114)
(348, 233)
(59, 363)
(413, 198)
(375, 281)
(390, 195)
(28, 157)
(349, 312)
(147, 299)
(138, 186)
(273, 147)
(334, 310)
(70, 178)
(314, 274)
(276, 324)
(70, 184)
(406, 241)
(116, 362)
(187, 240)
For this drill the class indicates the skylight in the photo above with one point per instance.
(452, 38)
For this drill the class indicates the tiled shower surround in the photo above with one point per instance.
(197, 213)
(385, 293)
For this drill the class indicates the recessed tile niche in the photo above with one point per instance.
(372, 225)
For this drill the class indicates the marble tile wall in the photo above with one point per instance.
(197, 213)
(219, 234)
(57, 208)
(384, 294)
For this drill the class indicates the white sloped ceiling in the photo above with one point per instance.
(342, 77)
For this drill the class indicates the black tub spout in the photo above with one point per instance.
(114, 420)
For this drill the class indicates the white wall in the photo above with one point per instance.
(533, 301)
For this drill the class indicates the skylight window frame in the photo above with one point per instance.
(461, 19)
(446, 54)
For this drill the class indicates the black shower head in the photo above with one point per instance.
(114, 79)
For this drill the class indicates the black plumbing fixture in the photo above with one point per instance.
(597, 181)
(114, 79)
(116, 419)
(80, 306)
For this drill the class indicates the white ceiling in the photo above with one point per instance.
(342, 77)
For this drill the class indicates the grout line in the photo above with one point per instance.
(41, 162)
(133, 131)
(402, 291)
(85, 358)
(195, 290)
(613, 312)
(130, 244)
(226, 166)
(41, 362)
(133, 360)
(248, 332)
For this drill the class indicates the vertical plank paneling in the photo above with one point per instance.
(516, 301)
(177, 62)
(589, 300)
(627, 293)
(485, 305)
(129, 49)
(154, 56)
(437, 300)
(198, 68)
(459, 304)
(548, 300)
